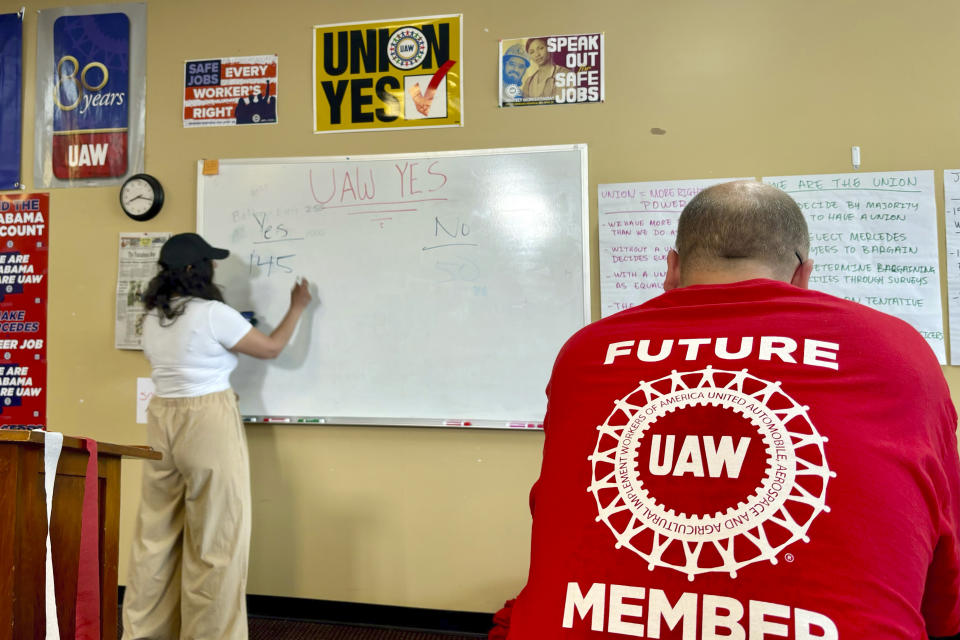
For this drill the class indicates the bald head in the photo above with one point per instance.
(738, 231)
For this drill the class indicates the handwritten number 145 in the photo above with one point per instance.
(271, 262)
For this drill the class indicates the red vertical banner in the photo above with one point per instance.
(24, 250)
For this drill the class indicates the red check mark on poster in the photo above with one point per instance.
(423, 101)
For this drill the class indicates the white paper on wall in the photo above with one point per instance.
(637, 227)
(873, 238)
(145, 390)
(951, 207)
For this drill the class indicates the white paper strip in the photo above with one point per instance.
(873, 238)
(951, 207)
(638, 226)
(52, 446)
(145, 391)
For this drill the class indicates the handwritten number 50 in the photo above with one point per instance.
(80, 83)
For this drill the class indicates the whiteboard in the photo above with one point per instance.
(444, 283)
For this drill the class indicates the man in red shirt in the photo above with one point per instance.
(742, 457)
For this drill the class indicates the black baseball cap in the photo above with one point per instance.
(188, 248)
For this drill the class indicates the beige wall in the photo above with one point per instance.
(437, 518)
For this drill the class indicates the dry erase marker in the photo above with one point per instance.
(525, 425)
(311, 420)
(276, 419)
(456, 423)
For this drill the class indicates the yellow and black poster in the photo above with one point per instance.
(391, 74)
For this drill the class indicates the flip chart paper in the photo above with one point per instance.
(638, 226)
(873, 238)
(951, 206)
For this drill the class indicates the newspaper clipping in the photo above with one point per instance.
(137, 265)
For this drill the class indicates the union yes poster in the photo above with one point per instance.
(90, 94)
(390, 74)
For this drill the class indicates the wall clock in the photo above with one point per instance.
(141, 197)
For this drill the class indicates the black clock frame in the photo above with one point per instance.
(157, 197)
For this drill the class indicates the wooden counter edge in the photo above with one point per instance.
(37, 437)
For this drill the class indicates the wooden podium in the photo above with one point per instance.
(23, 529)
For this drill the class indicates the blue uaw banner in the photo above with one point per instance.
(90, 105)
(90, 90)
(11, 100)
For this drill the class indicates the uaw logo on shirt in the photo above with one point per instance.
(709, 471)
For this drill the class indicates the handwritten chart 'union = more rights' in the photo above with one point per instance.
(638, 226)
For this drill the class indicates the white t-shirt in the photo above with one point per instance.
(189, 355)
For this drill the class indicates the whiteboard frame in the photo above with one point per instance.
(423, 422)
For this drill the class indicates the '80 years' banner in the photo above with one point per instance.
(392, 74)
(90, 92)
(23, 310)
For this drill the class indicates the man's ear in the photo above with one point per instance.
(672, 281)
(801, 276)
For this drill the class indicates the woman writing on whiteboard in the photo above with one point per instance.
(188, 567)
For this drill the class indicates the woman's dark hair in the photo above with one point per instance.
(191, 281)
(530, 41)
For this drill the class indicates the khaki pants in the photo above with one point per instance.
(188, 565)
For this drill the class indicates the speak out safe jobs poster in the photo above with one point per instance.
(392, 74)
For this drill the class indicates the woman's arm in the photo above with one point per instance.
(267, 347)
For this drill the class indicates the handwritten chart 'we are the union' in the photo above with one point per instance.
(873, 238)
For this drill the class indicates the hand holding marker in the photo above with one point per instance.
(299, 295)
(299, 300)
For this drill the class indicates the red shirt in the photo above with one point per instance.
(745, 461)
